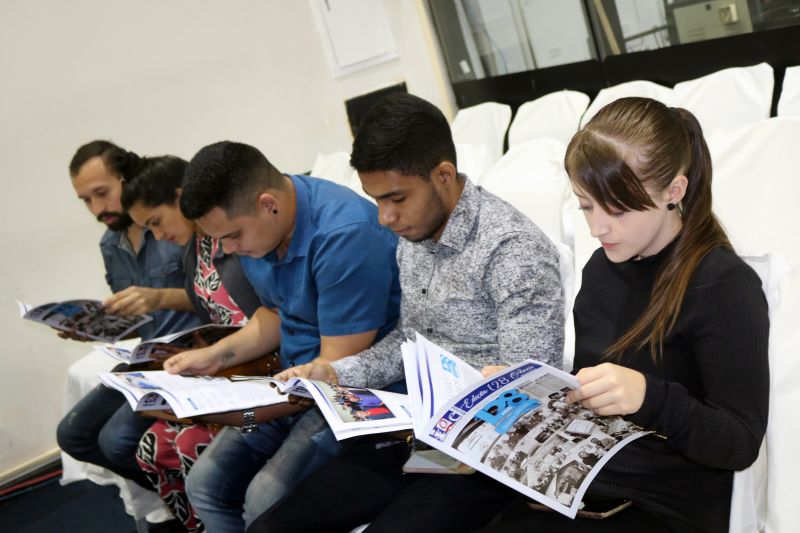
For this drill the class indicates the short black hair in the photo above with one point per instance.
(405, 134)
(118, 161)
(156, 182)
(226, 175)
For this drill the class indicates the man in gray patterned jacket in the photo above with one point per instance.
(478, 278)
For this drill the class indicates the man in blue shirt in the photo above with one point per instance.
(146, 276)
(326, 273)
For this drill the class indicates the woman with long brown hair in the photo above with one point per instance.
(671, 325)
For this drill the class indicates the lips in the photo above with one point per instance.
(608, 245)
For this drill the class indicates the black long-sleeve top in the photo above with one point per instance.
(708, 395)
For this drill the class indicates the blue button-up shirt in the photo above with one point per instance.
(339, 275)
(157, 265)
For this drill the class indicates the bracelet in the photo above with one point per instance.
(249, 424)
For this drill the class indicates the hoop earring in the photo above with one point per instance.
(670, 206)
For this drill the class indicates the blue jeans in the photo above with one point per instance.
(245, 474)
(103, 430)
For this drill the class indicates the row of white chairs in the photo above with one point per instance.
(755, 189)
(724, 99)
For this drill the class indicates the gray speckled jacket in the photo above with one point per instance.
(488, 292)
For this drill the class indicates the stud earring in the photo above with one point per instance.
(670, 206)
(275, 211)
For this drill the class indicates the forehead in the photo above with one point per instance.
(141, 213)
(92, 175)
(216, 223)
(381, 183)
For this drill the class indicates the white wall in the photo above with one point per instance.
(156, 77)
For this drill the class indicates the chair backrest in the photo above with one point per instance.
(728, 98)
(783, 433)
(334, 167)
(354, 183)
(555, 116)
(789, 104)
(484, 124)
(531, 177)
(749, 497)
(643, 88)
(473, 160)
(755, 186)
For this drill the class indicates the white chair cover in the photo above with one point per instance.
(334, 167)
(643, 88)
(531, 177)
(756, 186)
(783, 432)
(789, 103)
(473, 160)
(728, 98)
(139, 503)
(555, 116)
(354, 183)
(484, 124)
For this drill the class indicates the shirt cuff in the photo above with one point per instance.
(654, 396)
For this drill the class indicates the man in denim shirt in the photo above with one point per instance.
(146, 276)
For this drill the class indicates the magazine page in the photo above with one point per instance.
(517, 428)
(134, 351)
(87, 318)
(352, 411)
(190, 396)
(122, 350)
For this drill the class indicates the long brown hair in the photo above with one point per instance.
(634, 142)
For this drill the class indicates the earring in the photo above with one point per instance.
(670, 206)
(274, 211)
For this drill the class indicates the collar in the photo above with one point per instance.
(463, 218)
(119, 239)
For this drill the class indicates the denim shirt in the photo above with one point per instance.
(157, 265)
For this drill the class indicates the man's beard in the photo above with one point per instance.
(121, 222)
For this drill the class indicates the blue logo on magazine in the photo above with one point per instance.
(444, 425)
(448, 365)
(507, 409)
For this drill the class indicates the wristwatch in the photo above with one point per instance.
(249, 425)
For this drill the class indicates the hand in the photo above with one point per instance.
(488, 370)
(608, 389)
(319, 370)
(204, 361)
(133, 301)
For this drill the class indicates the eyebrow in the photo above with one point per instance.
(387, 195)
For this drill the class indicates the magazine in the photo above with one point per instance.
(514, 426)
(135, 351)
(349, 411)
(86, 318)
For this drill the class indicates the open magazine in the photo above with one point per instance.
(349, 411)
(515, 426)
(135, 351)
(86, 318)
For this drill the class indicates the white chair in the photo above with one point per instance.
(334, 167)
(473, 160)
(484, 124)
(789, 103)
(556, 116)
(749, 498)
(783, 432)
(756, 188)
(728, 98)
(139, 503)
(354, 183)
(642, 88)
(531, 177)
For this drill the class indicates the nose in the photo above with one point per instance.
(157, 233)
(97, 206)
(229, 247)
(386, 215)
(598, 223)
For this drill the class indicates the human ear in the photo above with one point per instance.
(676, 190)
(268, 202)
(445, 172)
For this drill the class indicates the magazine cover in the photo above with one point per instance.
(86, 318)
(517, 427)
(163, 347)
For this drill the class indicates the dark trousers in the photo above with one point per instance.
(519, 518)
(103, 430)
(365, 484)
